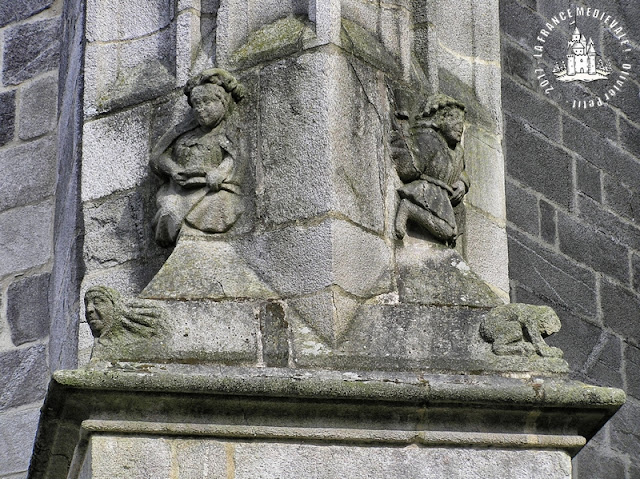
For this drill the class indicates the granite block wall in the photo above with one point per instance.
(30, 41)
(573, 197)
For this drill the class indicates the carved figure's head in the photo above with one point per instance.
(212, 95)
(100, 308)
(548, 321)
(444, 114)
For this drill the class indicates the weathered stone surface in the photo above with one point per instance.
(540, 113)
(201, 459)
(7, 116)
(329, 313)
(214, 270)
(17, 432)
(38, 107)
(115, 231)
(115, 153)
(292, 260)
(522, 208)
(361, 261)
(486, 249)
(596, 462)
(599, 151)
(274, 334)
(339, 173)
(593, 248)
(21, 9)
(293, 190)
(223, 332)
(24, 375)
(284, 461)
(603, 219)
(300, 415)
(132, 457)
(544, 167)
(552, 276)
(25, 237)
(589, 179)
(130, 329)
(484, 163)
(122, 74)
(431, 274)
(30, 171)
(30, 49)
(632, 366)
(620, 308)
(110, 20)
(67, 267)
(606, 368)
(273, 41)
(548, 222)
(396, 336)
(624, 431)
(630, 137)
(620, 198)
(517, 63)
(28, 309)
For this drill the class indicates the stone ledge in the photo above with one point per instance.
(303, 406)
(374, 386)
(354, 436)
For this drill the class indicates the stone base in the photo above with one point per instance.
(134, 456)
(140, 421)
(375, 336)
(220, 309)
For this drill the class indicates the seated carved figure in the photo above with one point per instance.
(429, 160)
(201, 188)
(520, 329)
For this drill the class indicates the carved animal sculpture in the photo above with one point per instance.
(520, 329)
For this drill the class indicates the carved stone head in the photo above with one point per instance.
(100, 308)
(444, 114)
(212, 95)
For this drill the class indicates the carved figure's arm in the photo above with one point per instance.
(460, 187)
(402, 151)
(163, 166)
(218, 175)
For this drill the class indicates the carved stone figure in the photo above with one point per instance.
(429, 160)
(201, 188)
(520, 329)
(120, 326)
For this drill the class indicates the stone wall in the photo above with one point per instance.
(573, 197)
(30, 34)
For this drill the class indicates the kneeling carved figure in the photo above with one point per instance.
(429, 160)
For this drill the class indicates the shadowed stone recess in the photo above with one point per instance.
(7, 116)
